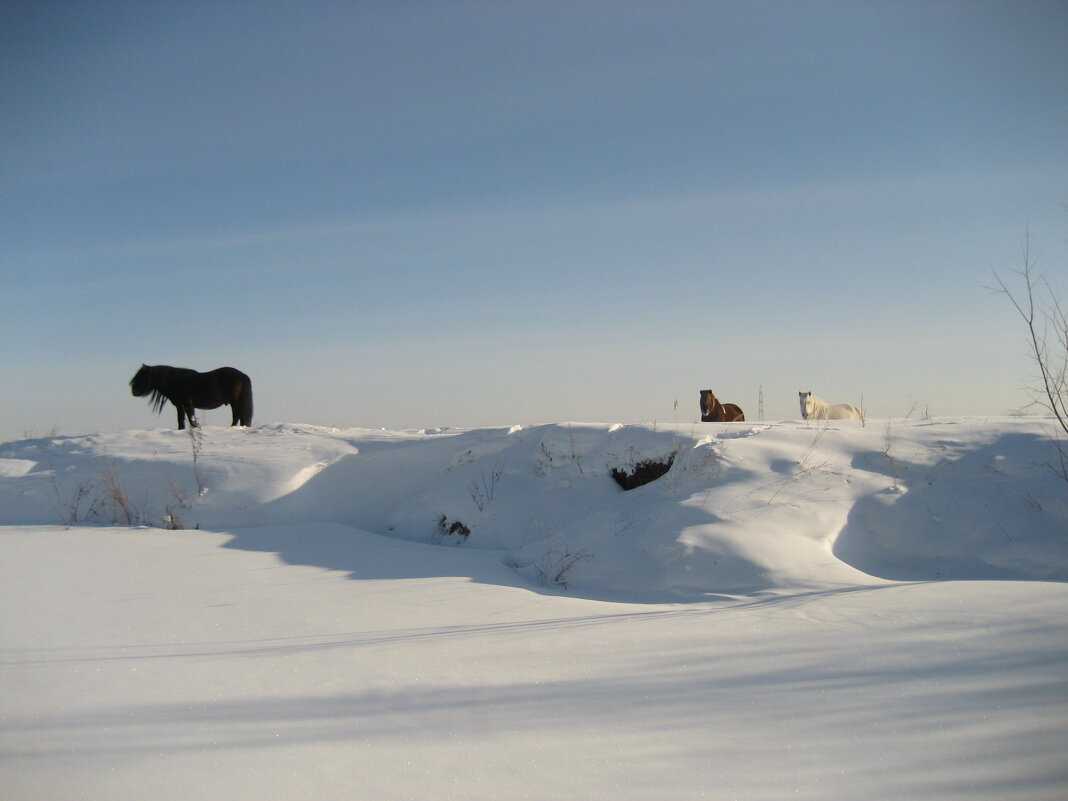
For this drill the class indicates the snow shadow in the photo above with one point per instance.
(79, 481)
(367, 556)
(971, 514)
(538, 508)
(713, 704)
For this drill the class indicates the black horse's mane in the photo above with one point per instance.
(157, 400)
(153, 382)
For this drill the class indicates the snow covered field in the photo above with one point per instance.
(810, 610)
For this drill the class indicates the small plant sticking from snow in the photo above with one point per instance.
(482, 491)
(69, 507)
(120, 508)
(576, 456)
(171, 521)
(555, 565)
(106, 499)
(888, 452)
(806, 463)
(543, 460)
(196, 439)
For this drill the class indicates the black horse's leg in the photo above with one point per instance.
(186, 410)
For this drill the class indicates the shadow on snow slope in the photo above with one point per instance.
(543, 500)
(995, 511)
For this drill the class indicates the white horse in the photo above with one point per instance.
(813, 408)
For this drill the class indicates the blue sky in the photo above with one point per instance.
(413, 214)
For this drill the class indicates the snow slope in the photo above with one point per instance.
(795, 609)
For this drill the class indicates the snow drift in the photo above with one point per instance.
(740, 508)
(785, 610)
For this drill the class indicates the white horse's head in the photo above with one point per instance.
(806, 403)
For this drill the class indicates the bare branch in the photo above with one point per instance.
(1047, 327)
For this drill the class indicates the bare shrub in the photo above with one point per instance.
(555, 566)
(69, 506)
(482, 492)
(1039, 306)
(116, 499)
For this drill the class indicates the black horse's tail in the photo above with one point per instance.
(244, 403)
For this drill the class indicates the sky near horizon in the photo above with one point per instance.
(417, 214)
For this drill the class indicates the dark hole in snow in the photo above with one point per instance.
(642, 473)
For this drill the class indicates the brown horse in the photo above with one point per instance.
(712, 411)
(188, 390)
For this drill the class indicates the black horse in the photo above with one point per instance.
(188, 390)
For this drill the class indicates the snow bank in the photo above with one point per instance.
(744, 508)
(487, 614)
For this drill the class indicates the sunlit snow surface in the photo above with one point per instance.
(794, 610)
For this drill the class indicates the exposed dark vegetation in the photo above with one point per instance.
(642, 473)
(454, 528)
